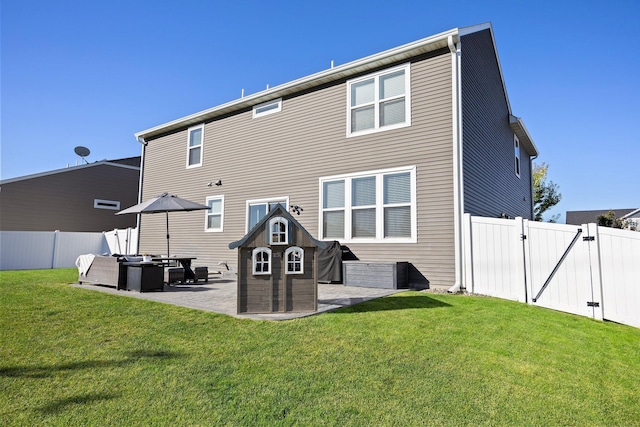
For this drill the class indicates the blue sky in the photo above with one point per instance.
(94, 73)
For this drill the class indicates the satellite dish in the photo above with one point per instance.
(82, 152)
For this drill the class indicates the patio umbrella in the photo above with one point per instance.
(164, 203)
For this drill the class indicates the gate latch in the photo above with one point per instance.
(593, 304)
(588, 238)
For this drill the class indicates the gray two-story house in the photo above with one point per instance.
(384, 154)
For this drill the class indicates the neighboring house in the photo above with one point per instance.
(383, 154)
(78, 198)
(587, 217)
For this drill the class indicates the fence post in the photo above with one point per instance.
(519, 258)
(54, 255)
(467, 276)
(595, 271)
(526, 262)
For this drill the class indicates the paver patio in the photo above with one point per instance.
(219, 295)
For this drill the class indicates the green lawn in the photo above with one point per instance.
(71, 356)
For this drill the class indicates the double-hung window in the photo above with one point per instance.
(194, 146)
(516, 147)
(257, 209)
(215, 214)
(377, 206)
(379, 101)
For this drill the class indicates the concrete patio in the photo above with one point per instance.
(219, 295)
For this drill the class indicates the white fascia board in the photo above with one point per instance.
(517, 125)
(387, 57)
(631, 214)
(68, 169)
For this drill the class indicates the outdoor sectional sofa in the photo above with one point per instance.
(106, 270)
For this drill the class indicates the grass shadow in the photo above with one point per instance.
(60, 405)
(387, 304)
(48, 371)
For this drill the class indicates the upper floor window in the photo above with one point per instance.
(278, 231)
(378, 206)
(215, 214)
(379, 101)
(257, 209)
(261, 261)
(516, 147)
(194, 147)
(267, 108)
(295, 260)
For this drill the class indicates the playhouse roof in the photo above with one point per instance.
(279, 211)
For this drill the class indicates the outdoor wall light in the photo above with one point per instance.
(218, 183)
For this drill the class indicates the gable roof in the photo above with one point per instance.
(125, 163)
(402, 53)
(280, 211)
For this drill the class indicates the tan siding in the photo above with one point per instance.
(64, 201)
(285, 154)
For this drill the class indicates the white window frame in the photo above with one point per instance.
(254, 254)
(278, 107)
(266, 201)
(272, 222)
(206, 215)
(106, 204)
(516, 149)
(286, 260)
(376, 76)
(201, 145)
(348, 208)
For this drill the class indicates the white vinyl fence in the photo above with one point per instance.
(32, 250)
(587, 270)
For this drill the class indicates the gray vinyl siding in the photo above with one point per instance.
(491, 186)
(285, 154)
(64, 201)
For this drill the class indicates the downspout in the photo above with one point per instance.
(458, 194)
(140, 182)
(533, 202)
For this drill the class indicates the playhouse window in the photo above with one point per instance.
(278, 231)
(295, 260)
(261, 261)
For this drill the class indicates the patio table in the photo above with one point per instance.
(185, 262)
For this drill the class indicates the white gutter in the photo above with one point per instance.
(458, 194)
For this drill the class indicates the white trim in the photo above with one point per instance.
(253, 261)
(201, 146)
(277, 109)
(206, 215)
(377, 101)
(380, 206)
(284, 221)
(266, 201)
(286, 260)
(106, 204)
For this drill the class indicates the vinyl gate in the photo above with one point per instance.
(587, 270)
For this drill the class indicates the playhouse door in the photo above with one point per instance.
(277, 283)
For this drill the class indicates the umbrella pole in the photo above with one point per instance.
(168, 253)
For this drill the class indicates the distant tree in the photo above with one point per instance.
(609, 220)
(545, 194)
